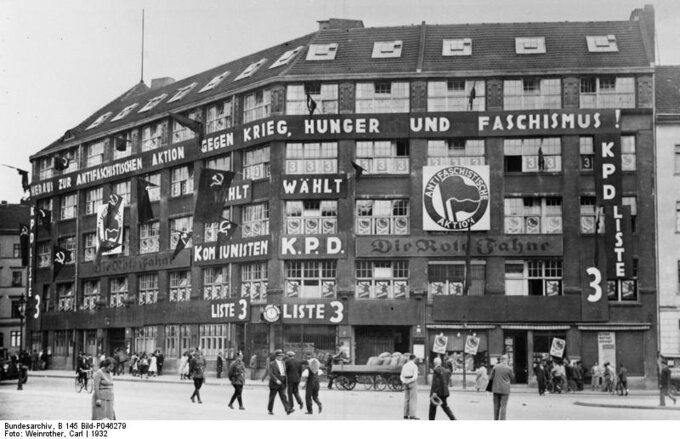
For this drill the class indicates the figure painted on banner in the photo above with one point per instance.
(237, 376)
(197, 373)
(440, 390)
(409, 378)
(102, 395)
(501, 377)
(293, 377)
(665, 384)
(541, 378)
(219, 365)
(596, 373)
(312, 387)
(622, 382)
(481, 377)
(277, 383)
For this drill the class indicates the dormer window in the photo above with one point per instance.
(387, 49)
(251, 69)
(322, 52)
(153, 102)
(181, 92)
(458, 47)
(530, 45)
(214, 82)
(100, 120)
(127, 110)
(602, 43)
(286, 57)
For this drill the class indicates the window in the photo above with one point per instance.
(312, 158)
(455, 152)
(448, 278)
(381, 279)
(607, 92)
(153, 102)
(251, 69)
(533, 278)
(149, 234)
(590, 216)
(255, 220)
(628, 153)
(324, 95)
(118, 292)
(172, 346)
(145, 338)
(382, 217)
(383, 157)
(387, 49)
(530, 45)
(456, 95)
(216, 282)
(181, 181)
(61, 343)
(533, 215)
(257, 105)
(122, 189)
(128, 140)
(14, 339)
(219, 116)
(310, 279)
(65, 297)
(221, 163)
(45, 168)
(286, 57)
(69, 243)
(311, 217)
(17, 278)
(178, 226)
(44, 255)
(457, 47)
(322, 52)
(183, 91)
(532, 94)
(180, 286)
(148, 288)
(154, 191)
(154, 136)
(587, 152)
(90, 294)
(93, 199)
(256, 163)
(213, 339)
(214, 82)
(533, 154)
(181, 133)
(94, 154)
(124, 112)
(73, 160)
(623, 290)
(100, 120)
(602, 43)
(90, 246)
(15, 312)
(210, 229)
(254, 279)
(16, 251)
(632, 202)
(382, 97)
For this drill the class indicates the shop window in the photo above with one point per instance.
(172, 346)
(310, 279)
(311, 217)
(145, 339)
(180, 286)
(255, 220)
(148, 288)
(325, 96)
(383, 157)
(382, 217)
(382, 279)
(456, 95)
(254, 278)
(456, 152)
(533, 215)
(448, 278)
(312, 158)
(533, 278)
(533, 155)
(213, 339)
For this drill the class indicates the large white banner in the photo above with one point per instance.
(110, 239)
(455, 197)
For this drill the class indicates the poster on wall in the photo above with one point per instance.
(557, 347)
(471, 345)
(439, 345)
(455, 198)
(606, 347)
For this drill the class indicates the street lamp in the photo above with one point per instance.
(22, 315)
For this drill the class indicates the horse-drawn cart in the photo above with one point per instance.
(379, 374)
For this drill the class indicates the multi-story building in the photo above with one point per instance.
(12, 276)
(668, 208)
(366, 161)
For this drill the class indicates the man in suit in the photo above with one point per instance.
(440, 387)
(502, 376)
(665, 384)
(277, 383)
(293, 376)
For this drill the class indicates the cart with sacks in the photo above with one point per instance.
(379, 373)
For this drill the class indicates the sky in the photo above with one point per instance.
(60, 61)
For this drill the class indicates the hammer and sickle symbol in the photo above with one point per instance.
(113, 199)
(24, 230)
(217, 180)
(60, 257)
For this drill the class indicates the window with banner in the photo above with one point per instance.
(456, 152)
(455, 350)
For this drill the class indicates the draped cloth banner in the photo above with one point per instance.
(110, 226)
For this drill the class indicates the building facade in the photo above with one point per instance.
(376, 169)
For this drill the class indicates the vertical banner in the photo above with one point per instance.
(608, 169)
(110, 227)
(606, 348)
(618, 240)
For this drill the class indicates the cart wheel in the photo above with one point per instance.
(395, 384)
(380, 383)
(367, 381)
(351, 383)
(341, 383)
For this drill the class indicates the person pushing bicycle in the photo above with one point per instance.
(83, 368)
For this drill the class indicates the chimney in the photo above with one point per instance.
(645, 17)
(340, 23)
(157, 83)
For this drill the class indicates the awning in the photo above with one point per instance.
(538, 327)
(433, 326)
(620, 327)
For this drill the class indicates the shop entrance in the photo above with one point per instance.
(372, 341)
(116, 338)
(515, 343)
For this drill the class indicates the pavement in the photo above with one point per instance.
(637, 398)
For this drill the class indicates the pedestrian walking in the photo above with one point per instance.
(160, 359)
(481, 377)
(439, 391)
(102, 395)
(541, 378)
(23, 360)
(277, 383)
(220, 365)
(312, 386)
(293, 377)
(596, 373)
(622, 381)
(409, 378)
(237, 376)
(197, 373)
(665, 384)
(501, 378)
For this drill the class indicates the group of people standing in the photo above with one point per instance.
(608, 379)
(285, 375)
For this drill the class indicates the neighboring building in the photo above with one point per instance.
(668, 208)
(12, 275)
(495, 125)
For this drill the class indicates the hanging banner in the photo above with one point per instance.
(606, 348)
(608, 169)
(471, 345)
(557, 347)
(439, 345)
(618, 242)
(110, 226)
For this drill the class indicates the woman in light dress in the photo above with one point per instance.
(102, 396)
(482, 378)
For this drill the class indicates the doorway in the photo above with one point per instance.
(515, 343)
(372, 341)
(116, 338)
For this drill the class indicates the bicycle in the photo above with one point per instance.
(80, 383)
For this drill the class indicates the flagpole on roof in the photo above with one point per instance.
(142, 77)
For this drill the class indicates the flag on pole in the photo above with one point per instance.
(23, 241)
(61, 162)
(194, 125)
(182, 242)
(541, 159)
(45, 219)
(358, 170)
(468, 262)
(473, 95)
(24, 179)
(213, 187)
(311, 104)
(61, 256)
(144, 209)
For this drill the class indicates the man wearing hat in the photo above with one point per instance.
(277, 383)
(665, 384)
(439, 391)
(293, 377)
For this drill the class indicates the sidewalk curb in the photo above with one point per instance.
(625, 406)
